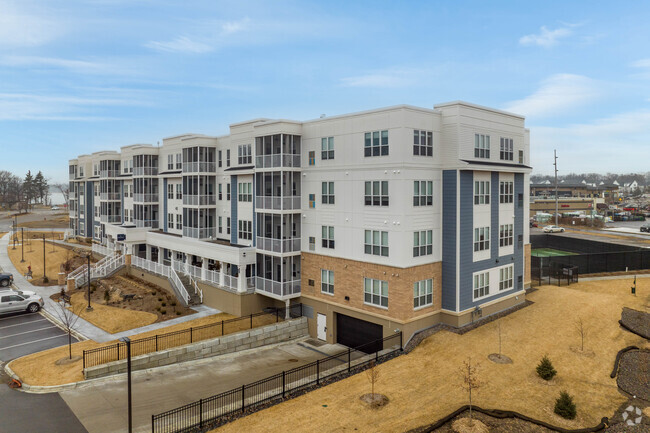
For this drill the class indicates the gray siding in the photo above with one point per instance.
(449, 213)
(518, 272)
(164, 193)
(233, 209)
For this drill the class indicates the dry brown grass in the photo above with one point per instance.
(40, 368)
(111, 319)
(425, 384)
(51, 222)
(55, 255)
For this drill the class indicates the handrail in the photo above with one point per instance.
(197, 290)
(178, 285)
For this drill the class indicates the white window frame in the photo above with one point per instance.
(170, 162)
(422, 143)
(327, 192)
(327, 148)
(506, 192)
(422, 243)
(327, 236)
(170, 221)
(327, 281)
(245, 230)
(506, 149)
(482, 146)
(481, 285)
(179, 221)
(481, 239)
(376, 243)
(170, 191)
(422, 294)
(375, 292)
(245, 192)
(376, 193)
(422, 193)
(481, 192)
(506, 235)
(506, 280)
(376, 143)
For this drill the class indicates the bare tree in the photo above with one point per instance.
(471, 381)
(372, 373)
(63, 189)
(499, 332)
(582, 332)
(68, 318)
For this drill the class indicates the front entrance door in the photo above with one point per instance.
(321, 326)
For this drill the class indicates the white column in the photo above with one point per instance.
(286, 309)
(148, 252)
(204, 269)
(172, 255)
(241, 280)
(161, 255)
(186, 263)
(222, 270)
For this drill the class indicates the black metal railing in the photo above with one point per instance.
(141, 346)
(200, 414)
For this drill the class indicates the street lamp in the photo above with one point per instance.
(128, 373)
(22, 245)
(44, 273)
(89, 308)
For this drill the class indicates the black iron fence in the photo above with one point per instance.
(141, 346)
(209, 410)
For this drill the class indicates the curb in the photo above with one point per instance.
(76, 334)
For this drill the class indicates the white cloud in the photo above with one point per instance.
(557, 94)
(383, 79)
(181, 44)
(20, 28)
(642, 63)
(546, 38)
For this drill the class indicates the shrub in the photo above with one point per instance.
(163, 311)
(158, 309)
(106, 296)
(159, 299)
(46, 280)
(173, 304)
(564, 406)
(545, 369)
(164, 304)
(178, 313)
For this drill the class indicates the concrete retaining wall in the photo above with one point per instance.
(250, 339)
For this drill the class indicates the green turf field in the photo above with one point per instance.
(549, 252)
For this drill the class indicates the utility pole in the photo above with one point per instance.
(22, 245)
(44, 274)
(556, 199)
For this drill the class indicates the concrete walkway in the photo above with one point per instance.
(102, 406)
(83, 327)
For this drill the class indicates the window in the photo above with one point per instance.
(312, 157)
(220, 157)
(227, 191)
(422, 243)
(312, 201)
(170, 162)
(422, 193)
(481, 239)
(520, 241)
(245, 229)
(227, 157)
(375, 292)
(481, 192)
(506, 152)
(327, 147)
(328, 237)
(179, 222)
(170, 220)
(220, 192)
(244, 154)
(179, 191)
(81, 174)
(245, 192)
(422, 143)
(481, 146)
(170, 191)
(521, 157)
(505, 278)
(376, 143)
(312, 243)
(328, 193)
(376, 193)
(376, 243)
(506, 192)
(228, 225)
(220, 220)
(179, 161)
(95, 169)
(327, 281)
(505, 235)
(423, 293)
(520, 200)
(481, 285)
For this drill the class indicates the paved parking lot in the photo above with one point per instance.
(24, 333)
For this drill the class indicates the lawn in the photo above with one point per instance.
(425, 385)
(58, 221)
(55, 255)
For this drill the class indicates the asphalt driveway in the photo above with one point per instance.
(23, 333)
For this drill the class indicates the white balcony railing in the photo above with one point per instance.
(199, 167)
(146, 223)
(199, 200)
(287, 288)
(145, 171)
(277, 203)
(277, 160)
(278, 245)
(115, 196)
(196, 233)
(145, 198)
(110, 218)
(109, 173)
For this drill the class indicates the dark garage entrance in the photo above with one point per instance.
(353, 333)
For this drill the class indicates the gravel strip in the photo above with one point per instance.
(633, 373)
(638, 321)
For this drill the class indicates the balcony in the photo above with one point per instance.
(277, 203)
(110, 219)
(199, 167)
(199, 233)
(110, 196)
(278, 245)
(145, 171)
(145, 198)
(287, 288)
(109, 173)
(146, 223)
(199, 200)
(277, 161)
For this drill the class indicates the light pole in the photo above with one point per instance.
(15, 230)
(22, 245)
(128, 374)
(44, 273)
(89, 308)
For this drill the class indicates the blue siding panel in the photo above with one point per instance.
(519, 231)
(449, 189)
(233, 209)
(164, 192)
(466, 247)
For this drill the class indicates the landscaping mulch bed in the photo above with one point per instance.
(501, 425)
(634, 373)
(637, 321)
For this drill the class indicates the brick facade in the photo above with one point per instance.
(527, 265)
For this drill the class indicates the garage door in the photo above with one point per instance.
(353, 332)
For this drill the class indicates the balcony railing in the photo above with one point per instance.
(197, 233)
(277, 203)
(199, 167)
(145, 198)
(145, 223)
(278, 245)
(277, 160)
(277, 288)
(109, 173)
(110, 218)
(199, 200)
(145, 171)
(115, 196)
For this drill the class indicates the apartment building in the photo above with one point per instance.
(391, 219)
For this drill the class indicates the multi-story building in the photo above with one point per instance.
(391, 219)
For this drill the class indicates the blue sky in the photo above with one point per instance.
(78, 76)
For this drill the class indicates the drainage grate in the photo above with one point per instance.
(316, 343)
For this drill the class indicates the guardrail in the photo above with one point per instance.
(201, 413)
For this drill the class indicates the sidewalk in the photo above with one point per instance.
(86, 329)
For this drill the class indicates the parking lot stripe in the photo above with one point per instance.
(35, 341)
(26, 332)
(23, 315)
(25, 323)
